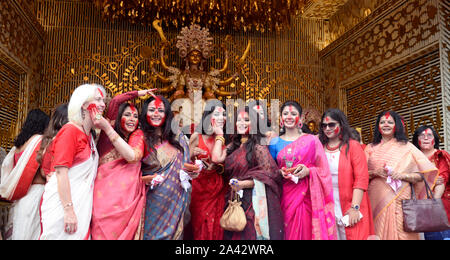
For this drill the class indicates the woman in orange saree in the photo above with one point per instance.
(393, 164)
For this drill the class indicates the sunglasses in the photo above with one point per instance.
(330, 125)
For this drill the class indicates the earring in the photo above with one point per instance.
(281, 124)
(82, 114)
(300, 125)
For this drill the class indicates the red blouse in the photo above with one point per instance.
(70, 147)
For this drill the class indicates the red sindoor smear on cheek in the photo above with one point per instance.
(91, 107)
(336, 130)
(123, 122)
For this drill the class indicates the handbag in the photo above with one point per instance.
(234, 219)
(427, 215)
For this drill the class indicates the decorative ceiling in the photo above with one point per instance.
(322, 9)
(259, 15)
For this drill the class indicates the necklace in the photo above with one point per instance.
(244, 140)
(333, 148)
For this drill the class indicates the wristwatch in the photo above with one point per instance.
(355, 207)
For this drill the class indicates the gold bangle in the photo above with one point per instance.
(220, 138)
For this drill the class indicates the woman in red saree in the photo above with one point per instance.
(251, 171)
(393, 164)
(426, 139)
(119, 192)
(208, 189)
(307, 199)
(348, 167)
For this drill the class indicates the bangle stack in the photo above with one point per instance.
(220, 138)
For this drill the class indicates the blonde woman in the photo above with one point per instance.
(67, 201)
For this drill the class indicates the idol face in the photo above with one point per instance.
(426, 140)
(195, 57)
(218, 117)
(243, 123)
(155, 113)
(290, 117)
(387, 125)
(331, 127)
(129, 120)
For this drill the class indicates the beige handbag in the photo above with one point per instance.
(233, 219)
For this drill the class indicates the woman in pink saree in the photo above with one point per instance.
(307, 198)
(119, 192)
(393, 163)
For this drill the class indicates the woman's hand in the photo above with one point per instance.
(380, 172)
(284, 173)
(147, 179)
(399, 176)
(353, 216)
(70, 220)
(301, 172)
(199, 151)
(146, 92)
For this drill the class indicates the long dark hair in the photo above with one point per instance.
(35, 123)
(117, 123)
(204, 127)
(415, 139)
(298, 107)
(399, 133)
(150, 131)
(253, 139)
(57, 121)
(341, 118)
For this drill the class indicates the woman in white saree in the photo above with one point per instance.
(20, 180)
(66, 207)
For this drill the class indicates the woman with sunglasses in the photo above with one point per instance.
(348, 167)
(393, 164)
(307, 196)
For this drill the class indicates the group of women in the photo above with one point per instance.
(134, 183)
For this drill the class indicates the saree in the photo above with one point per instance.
(386, 203)
(308, 206)
(207, 201)
(81, 179)
(166, 203)
(119, 195)
(261, 204)
(16, 179)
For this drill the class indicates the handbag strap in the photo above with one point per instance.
(427, 188)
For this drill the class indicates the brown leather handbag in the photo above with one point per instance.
(234, 219)
(427, 215)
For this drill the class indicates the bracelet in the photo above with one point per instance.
(68, 205)
(220, 138)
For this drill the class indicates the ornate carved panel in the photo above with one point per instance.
(413, 90)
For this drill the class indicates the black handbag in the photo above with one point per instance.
(427, 215)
